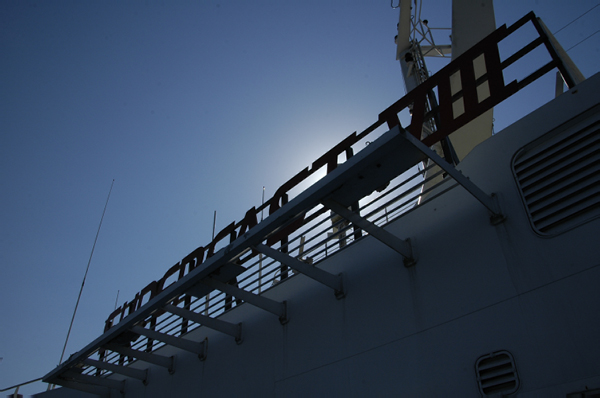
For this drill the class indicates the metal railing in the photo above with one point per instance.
(323, 233)
(16, 387)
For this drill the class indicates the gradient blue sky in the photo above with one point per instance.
(190, 107)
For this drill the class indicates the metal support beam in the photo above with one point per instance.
(473, 189)
(264, 303)
(118, 385)
(231, 329)
(165, 362)
(568, 69)
(140, 374)
(92, 389)
(333, 281)
(184, 344)
(401, 246)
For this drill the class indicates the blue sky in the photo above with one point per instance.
(190, 107)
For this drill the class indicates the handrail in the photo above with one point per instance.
(294, 221)
(22, 384)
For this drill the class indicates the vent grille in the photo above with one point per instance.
(559, 178)
(497, 374)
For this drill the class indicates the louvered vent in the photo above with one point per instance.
(559, 178)
(497, 374)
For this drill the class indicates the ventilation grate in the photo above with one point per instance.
(497, 374)
(559, 178)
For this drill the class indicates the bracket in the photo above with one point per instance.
(482, 197)
(160, 360)
(333, 281)
(184, 344)
(401, 246)
(125, 371)
(272, 306)
(231, 329)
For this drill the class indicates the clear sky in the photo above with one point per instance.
(191, 107)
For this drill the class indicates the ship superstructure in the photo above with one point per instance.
(470, 279)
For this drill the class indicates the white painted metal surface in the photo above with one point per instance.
(477, 288)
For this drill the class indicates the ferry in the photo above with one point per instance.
(432, 258)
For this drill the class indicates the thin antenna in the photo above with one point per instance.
(207, 297)
(85, 275)
(260, 255)
(214, 225)
(263, 203)
(117, 300)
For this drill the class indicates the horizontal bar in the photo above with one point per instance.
(399, 245)
(184, 344)
(333, 281)
(21, 384)
(231, 329)
(272, 306)
(140, 374)
(155, 359)
(521, 53)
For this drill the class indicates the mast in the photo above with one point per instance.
(411, 33)
(471, 22)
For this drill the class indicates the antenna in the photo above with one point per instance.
(214, 225)
(207, 297)
(117, 299)
(262, 204)
(85, 275)
(260, 255)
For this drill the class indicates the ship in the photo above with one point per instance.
(433, 258)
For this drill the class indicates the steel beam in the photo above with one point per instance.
(160, 360)
(140, 374)
(401, 246)
(473, 189)
(567, 68)
(118, 385)
(272, 306)
(333, 281)
(231, 329)
(184, 344)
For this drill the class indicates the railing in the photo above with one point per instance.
(468, 95)
(322, 235)
(447, 116)
(16, 387)
(314, 233)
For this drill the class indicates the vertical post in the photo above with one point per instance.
(569, 71)
(260, 255)
(207, 297)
